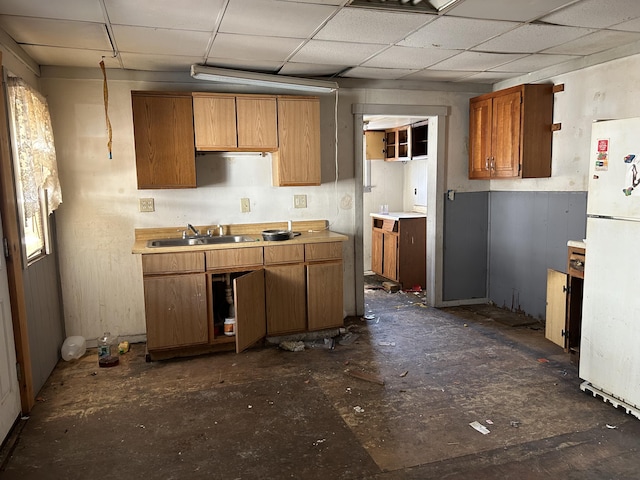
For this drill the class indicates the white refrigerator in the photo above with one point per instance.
(610, 339)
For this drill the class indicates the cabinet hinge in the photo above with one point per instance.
(5, 246)
(566, 289)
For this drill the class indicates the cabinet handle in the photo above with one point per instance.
(493, 163)
(486, 164)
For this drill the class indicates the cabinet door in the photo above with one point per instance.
(390, 256)
(297, 161)
(376, 251)
(324, 295)
(257, 123)
(285, 299)
(163, 135)
(375, 145)
(176, 311)
(214, 118)
(480, 114)
(556, 314)
(249, 300)
(505, 139)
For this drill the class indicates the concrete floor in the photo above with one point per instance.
(275, 414)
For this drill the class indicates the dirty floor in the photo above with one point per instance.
(392, 400)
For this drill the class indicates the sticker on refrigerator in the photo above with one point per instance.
(632, 178)
(602, 157)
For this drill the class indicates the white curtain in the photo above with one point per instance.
(33, 136)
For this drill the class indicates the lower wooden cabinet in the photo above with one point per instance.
(324, 295)
(398, 249)
(277, 290)
(176, 310)
(286, 299)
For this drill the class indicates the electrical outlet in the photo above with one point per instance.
(146, 205)
(245, 205)
(300, 201)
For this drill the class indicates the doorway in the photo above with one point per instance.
(434, 184)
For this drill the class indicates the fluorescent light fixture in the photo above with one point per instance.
(240, 77)
(420, 6)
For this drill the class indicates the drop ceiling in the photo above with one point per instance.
(481, 41)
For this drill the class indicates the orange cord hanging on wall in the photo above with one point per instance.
(105, 89)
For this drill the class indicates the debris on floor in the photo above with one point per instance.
(326, 343)
(358, 409)
(479, 427)
(367, 377)
(292, 346)
(348, 338)
(391, 287)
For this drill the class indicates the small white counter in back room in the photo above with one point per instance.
(399, 248)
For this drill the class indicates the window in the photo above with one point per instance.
(34, 160)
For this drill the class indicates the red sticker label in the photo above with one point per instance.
(603, 145)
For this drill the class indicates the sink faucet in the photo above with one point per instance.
(193, 229)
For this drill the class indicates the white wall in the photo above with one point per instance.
(101, 279)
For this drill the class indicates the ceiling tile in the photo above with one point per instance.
(61, 33)
(506, 9)
(320, 51)
(487, 77)
(378, 73)
(84, 10)
(165, 63)
(456, 33)
(274, 18)
(70, 57)
(249, 65)
(596, 42)
(250, 47)
(309, 69)
(630, 26)
(534, 62)
(476, 61)
(160, 41)
(409, 57)
(439, 75)
(362, 25)
(200, 14)
(532, 38)
(595, 13)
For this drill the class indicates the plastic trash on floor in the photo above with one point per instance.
(73, 348)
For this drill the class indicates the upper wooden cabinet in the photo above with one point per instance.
(398, 143)
(374, 145)
(297, 161)
(163, 133)
(510, 133)
(235, 122)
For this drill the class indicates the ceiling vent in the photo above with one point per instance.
(420, 6)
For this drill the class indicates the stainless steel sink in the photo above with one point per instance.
(192, 241)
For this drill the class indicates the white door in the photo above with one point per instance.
(9, 389)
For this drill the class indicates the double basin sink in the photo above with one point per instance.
(198, 240)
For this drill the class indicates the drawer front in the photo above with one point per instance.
(575, 263)
(323, 251)
(283, 254)
(186, 262)
(234, 257)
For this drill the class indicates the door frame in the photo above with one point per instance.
(10, 223)
(436, 185)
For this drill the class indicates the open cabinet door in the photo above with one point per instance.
(555, 323)
(251, 320)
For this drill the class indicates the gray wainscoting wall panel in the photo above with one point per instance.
(528, 233)
(465, 246)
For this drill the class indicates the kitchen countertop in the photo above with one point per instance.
(398, 215)
(310, 232)
(576, 244)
